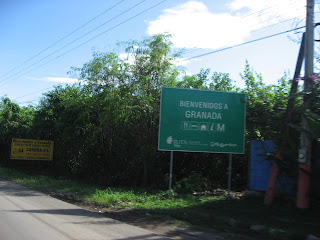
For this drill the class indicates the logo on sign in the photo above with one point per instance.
(170, 140)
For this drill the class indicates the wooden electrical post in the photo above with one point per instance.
(305, 142)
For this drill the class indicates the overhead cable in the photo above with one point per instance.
(63, 38)
(241, 44)
(33, 93)
(88, 40)
(75, 40)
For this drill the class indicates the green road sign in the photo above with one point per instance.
(201, 121)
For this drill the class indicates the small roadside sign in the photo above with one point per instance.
(29, 149)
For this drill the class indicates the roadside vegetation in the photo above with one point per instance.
(105, 128)
(105, 133)
(213, 212)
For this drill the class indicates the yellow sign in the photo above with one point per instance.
(28, 149)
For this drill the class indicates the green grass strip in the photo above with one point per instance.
(214, 213)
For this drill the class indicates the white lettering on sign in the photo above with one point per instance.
(202, 105)
(220, 127)
(217, 144)
(203, 126)
(203, 115)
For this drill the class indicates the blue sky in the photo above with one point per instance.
(29, 27)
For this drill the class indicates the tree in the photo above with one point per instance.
(15, 122)
(126, 96)
(105, 129)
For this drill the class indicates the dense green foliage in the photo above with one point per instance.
(105, 128)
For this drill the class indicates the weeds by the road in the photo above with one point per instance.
(214, 212)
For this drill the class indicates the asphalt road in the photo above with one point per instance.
(29, 215)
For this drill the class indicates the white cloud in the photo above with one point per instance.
(193, 25)
(56, 79)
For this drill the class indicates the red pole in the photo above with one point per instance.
(269, 196)
(303, 187)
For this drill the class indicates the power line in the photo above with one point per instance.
(29, 101)
(90, 39)
(192, 50)
(264, 9)
(241, 44)
(274, 17)
(288, 20)
(260, 23)
(75, 40)
(197, 49)
(63, 38)
(223, 49)
(87, 34)
(33, 93)
(269, 19)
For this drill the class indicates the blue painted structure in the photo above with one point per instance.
(260, 169)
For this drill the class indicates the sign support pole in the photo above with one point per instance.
(229, 175)
(170, 178)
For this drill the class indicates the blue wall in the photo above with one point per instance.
(260, 169)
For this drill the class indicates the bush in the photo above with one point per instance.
(195, 182)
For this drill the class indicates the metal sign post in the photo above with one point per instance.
(170, 178)
(193, 120)
(229, 175)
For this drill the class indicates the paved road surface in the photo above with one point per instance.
(28, 215)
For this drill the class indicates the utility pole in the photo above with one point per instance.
(269, 196)
(305, 142)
